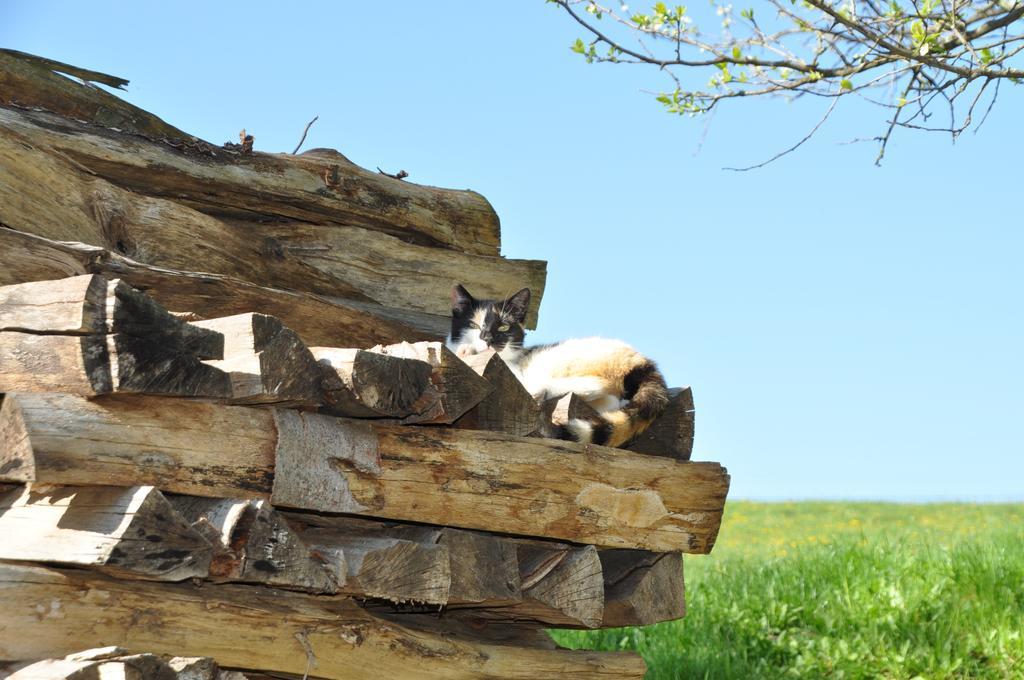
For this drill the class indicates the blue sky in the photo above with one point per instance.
(849, 331)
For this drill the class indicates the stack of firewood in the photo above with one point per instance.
(300, 493)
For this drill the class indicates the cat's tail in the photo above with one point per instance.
(646, 396)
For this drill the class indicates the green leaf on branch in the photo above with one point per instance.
(578, 47)
(845, 84)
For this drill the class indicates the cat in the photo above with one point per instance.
(625, 387)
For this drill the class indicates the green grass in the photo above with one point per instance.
(845, 590)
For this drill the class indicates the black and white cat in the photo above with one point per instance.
(623, 385)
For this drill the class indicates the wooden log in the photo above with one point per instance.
(456, 567)
(261, 187)
(457, 388)
(470, 479)
(76, 305)
(231, 623)
(561, 586)
(220, 180)
(92, 304)
(78, 364)
(131, 532)
(318, 319)
(201, 449)
(106, 663)
(253, 543)
(671, 434)
(485, 577)
(395, 273)
(344, 259)
(34, 82)
(100, 364)
(387, 568)
(268, 363)
(642, 588)
(361, 384)
(509, 408)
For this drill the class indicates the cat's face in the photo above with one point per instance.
(481, 324)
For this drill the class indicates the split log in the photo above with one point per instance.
(55, 363)
(642, 588)
(131, 532)
(34, 82)
(318, 319)
(509, 408)
(267, 362)
(453, 567)
(54, 337)
(385, 568)
(106, 663)
(560, 410)
(184, 447)
(76, 305)
(100, 364)
(464, 478)
(361, 384)
(230, 624)
(92, 304)
(562, 586)
(395, 273)
(456, 387)
(671, 434)
(253, 543)
(220, 181)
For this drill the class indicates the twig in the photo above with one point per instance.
(311, 662)
(304, 132)
(792, 148)
(246, 141)
(401, 174)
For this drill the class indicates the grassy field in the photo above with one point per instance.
(845, 590)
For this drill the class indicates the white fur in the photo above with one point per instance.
(582, 431)
(536, 370)
(469, 342)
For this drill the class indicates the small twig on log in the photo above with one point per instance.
(303, 639)
(792, 148)
(304, 132)
(401, 174)
(246, 141)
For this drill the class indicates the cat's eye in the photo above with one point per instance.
(503, 327)
(474, 325)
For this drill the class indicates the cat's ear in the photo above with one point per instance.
(462, 301)
(517, 305)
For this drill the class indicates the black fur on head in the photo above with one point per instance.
(496, 323)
